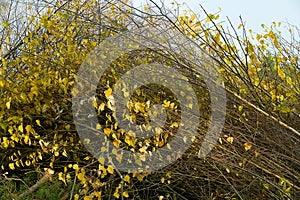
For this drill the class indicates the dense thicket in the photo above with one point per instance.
(257, 154)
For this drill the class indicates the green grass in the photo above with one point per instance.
(10, 188)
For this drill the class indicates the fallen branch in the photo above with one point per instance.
(43, 180)
(265, 113)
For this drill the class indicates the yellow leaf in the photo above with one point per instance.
(220, 140)
(27, 162)
(20, 128)
(101, 160)
(107, 131)
(161, 143)
(162, 180)
(97, 194)
(288, 190)
(266, 185)
(29, 129)
(26, 139)
(207, 19)
(4, 62)
(166, 103)
(102, 106)
(12, 143)
(119, 157)
(258, 36)
(38, 122)
(10, 130)
(289, 81)
(116, 194)
(169, 174)
(273, 95)
(68, 127)
(25, 40)
(87, 198)
(11, 166)
(192, 17)
(280, 72)
(64, 153)
(197, 24)
(143, 149)
(8, 105)
(117, 143)
(139, 176)
(76, 197)
(174, 124)
(5, 142)
(211, 17)
(227, 170)
(104, 173)
(5, 24)
(240, 108)
(81, 176)
(130, 140)
(168, 146)
(125, 194)
(40, 156)
(95, 104)
(75, 166)
(1, 83)
(98, 126)
(86, 141)
(110, 169)
(247, 146)
(14, 137)
(108, 93)
(127, 178)
(230, 140)
(103, 149)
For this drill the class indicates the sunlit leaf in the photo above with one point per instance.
(110, 169)
(247, 146)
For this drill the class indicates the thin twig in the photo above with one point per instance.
(73, 187)
(237, 193)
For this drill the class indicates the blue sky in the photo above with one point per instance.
(253, 12)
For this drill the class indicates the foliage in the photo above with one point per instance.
(258, 152)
